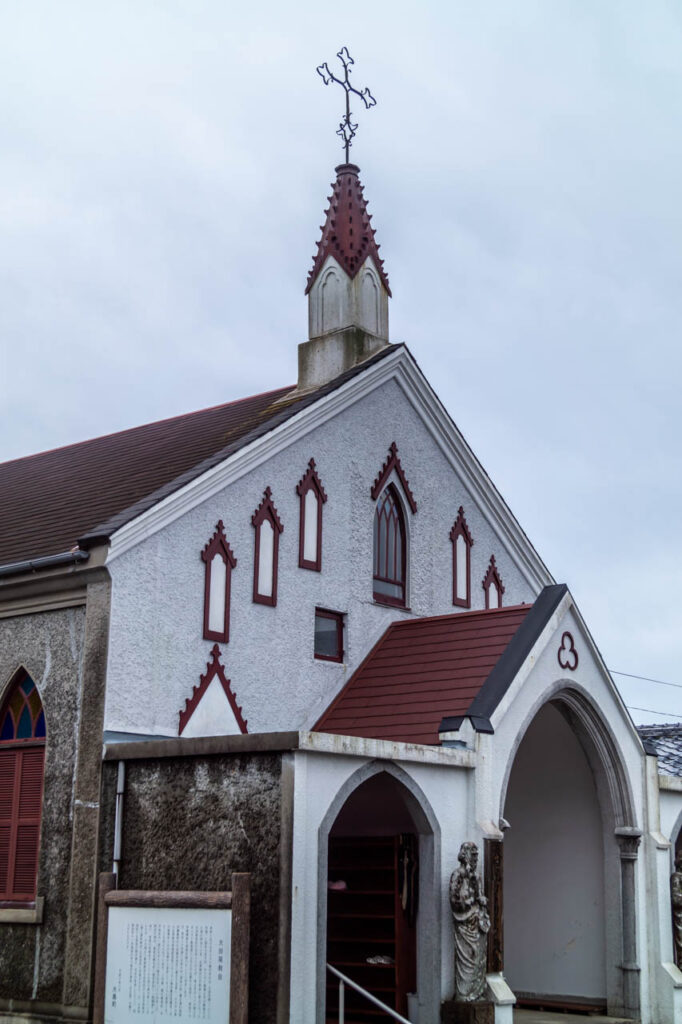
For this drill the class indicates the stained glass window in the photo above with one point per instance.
(22, 717)
(389, 549)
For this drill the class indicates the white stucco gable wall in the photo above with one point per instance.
(156, 650)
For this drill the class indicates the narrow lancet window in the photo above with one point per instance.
(312, 495)
(268, 527)
(390, 549)
(461, 561)
(492, 585)
(219, 561)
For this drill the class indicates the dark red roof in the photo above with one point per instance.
(84, 492)
(421, 671)
(347, 234)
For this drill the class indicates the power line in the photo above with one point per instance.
(646, 679)
(650, 711)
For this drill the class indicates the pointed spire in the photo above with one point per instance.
(347, 233)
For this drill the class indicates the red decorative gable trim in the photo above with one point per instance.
(267, 509)
(310, 481)
(461, 529)
(219, 542)
(347, 233)
(393, 463)
(492, 575)
(213, 669)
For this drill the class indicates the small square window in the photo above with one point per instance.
(328, 635)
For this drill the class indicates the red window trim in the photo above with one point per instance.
(461, 529)
(217, 547)
(324, 613)
(266, 510)
(213, 668)
(492, 574)
(393, 463)
(379, 597)
(310, 481)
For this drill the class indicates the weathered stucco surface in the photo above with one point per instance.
(158, 585)
(189, 823)
(50, 646)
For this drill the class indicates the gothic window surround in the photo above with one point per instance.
(268, 527)
(493, 586)
(219, 561)
(313, 497)
(390, 549)
(390, 533)
(461, 561)
(22, 758)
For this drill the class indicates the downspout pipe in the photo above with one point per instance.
(46, 562)
(118, 820)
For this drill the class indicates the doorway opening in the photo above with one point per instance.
(373, 890)
(555, 894)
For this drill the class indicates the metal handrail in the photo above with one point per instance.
(343, 980)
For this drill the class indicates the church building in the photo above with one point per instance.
(301, 635)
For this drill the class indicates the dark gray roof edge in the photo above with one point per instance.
(151, 748)
(649, 746)
(519, 647)
(104, 531)
(44, 562)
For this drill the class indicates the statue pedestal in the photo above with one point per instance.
(455, 1012)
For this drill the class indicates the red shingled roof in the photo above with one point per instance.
(347, 233)
(86, 491)
(421, 671)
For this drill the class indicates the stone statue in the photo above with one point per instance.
(676, 900)
(472, 923)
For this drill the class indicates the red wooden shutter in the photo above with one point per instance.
(21, 792)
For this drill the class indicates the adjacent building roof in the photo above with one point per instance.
(347, 233)
(667, 741)
(84, 492)
(421, 671)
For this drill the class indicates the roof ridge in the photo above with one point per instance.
(470, 613)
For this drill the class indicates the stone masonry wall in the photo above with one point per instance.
(188, 823)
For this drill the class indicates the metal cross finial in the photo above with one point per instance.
(346, 128)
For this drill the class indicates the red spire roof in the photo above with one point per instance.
(347, 234)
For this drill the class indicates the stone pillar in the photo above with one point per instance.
(493, 879)
(629, 840)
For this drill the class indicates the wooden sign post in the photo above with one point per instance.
(172, 956)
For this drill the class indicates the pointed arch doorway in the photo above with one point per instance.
(379, 924)
(570, 852)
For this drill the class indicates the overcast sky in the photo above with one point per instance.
(163, 174)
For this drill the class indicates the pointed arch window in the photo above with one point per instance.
(462, 542)
(22, 759)
(219, 561)
(313, 497)
(493, 586)
(268, 527)
(390, 549)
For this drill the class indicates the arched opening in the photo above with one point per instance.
(22, 757)
(569, 925)
(378, 862)
(390, 549)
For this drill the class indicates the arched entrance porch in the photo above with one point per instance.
(570, 855)
(378, 922)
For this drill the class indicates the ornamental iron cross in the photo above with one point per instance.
(346, 128)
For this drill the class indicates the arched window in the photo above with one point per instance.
(219, 561)
(22, 757)
(268, 527)
(312, 495)
(461, 561)
(493, 586)
(390, 549)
